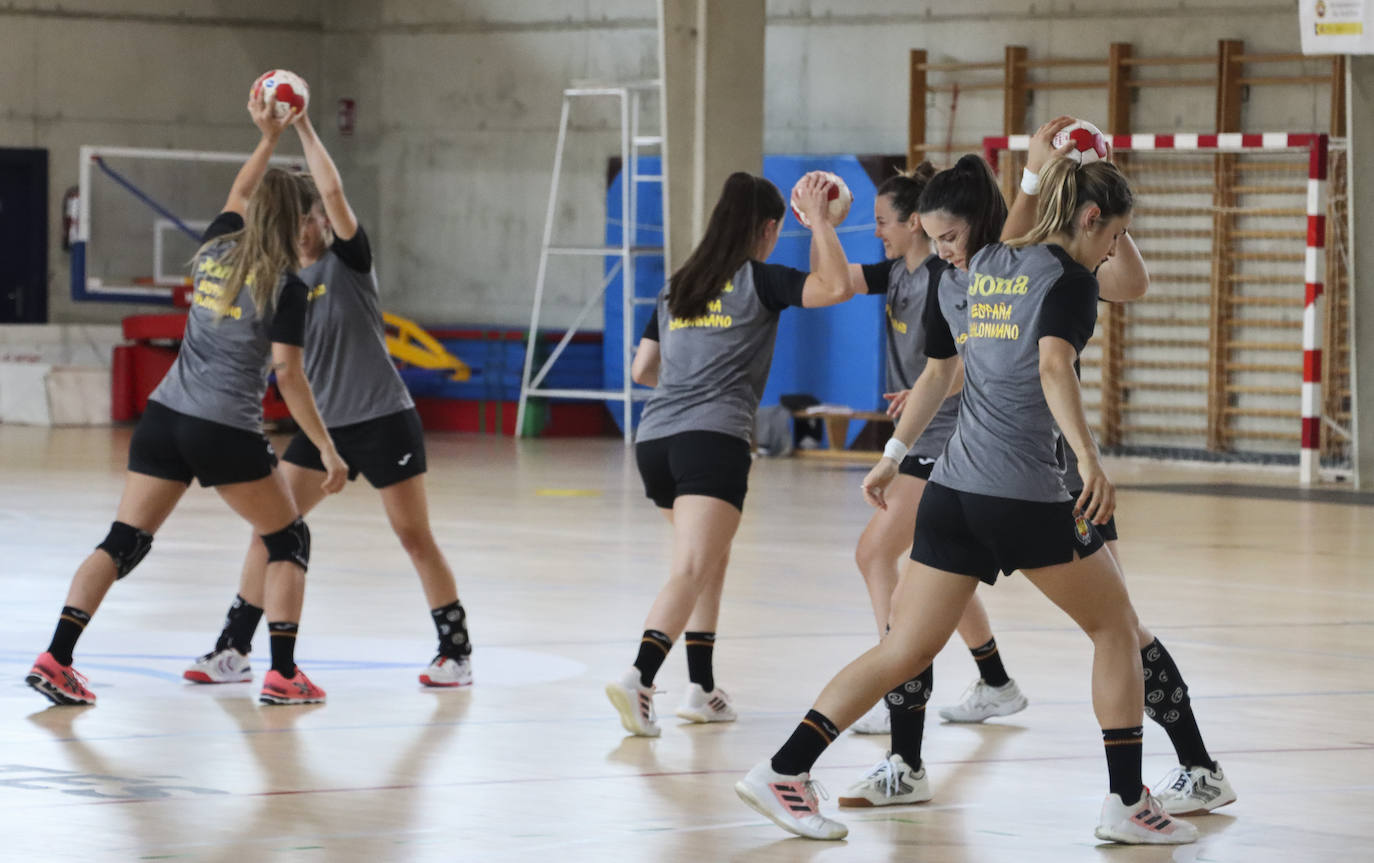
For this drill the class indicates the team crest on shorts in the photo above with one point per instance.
(1081, 528)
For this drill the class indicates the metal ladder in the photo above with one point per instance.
(631, 143)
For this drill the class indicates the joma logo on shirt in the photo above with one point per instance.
(899, 326)
(316, 292)
(714, 319)
(984, 286)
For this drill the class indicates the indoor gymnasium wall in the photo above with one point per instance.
(138, 73)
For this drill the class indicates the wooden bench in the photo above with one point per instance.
(837, 431)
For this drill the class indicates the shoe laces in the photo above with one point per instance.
(885, 772)
(976, 695)
(1178, 781)
(813, 789)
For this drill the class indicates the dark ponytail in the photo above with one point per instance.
(905, 189)
(968, 191)
(746, 205)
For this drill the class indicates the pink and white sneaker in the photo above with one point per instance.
(789, 802)
(297, 689)
(1145, 823)
(62, 684)
(448, 671)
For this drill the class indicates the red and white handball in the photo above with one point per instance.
(839, 195)
(1088, 143)
(285, 91)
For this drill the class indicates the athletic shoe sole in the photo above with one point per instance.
(865, 803)
(1015, 710)
(266, 698)
(702, 718)
(202, 677)
(428, 681)
(1107, 835)
(1203, 810)
(629, 718)
(42, 685)
(747, 795)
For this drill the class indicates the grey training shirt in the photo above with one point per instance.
(1004, 443)
(906, 339)
(713, 368)
(346, 358)
(220, 373)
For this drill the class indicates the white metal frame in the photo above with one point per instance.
(631, 143)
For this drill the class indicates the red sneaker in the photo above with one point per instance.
(297, 689)
(62, 684)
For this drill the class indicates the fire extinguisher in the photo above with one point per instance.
(71, 217)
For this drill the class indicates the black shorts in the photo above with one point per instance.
(918, 466)
(695, 462)
(176, 446)
(385, 450)
(1107, 530)
(980, 535)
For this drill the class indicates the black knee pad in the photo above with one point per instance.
(1166, 695)
(127, 546)
(915, 693)
(291, 543)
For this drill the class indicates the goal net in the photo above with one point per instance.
(1223, 359)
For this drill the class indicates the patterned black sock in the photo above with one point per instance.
(239, 625)
(906, 705)
(1167, 703)
(990, 664)
(1124, 747)
(700, 649)
(806, 744)
(283, 635)
(70, 625)
(451, 622)
(653, 649)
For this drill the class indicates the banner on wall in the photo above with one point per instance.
(1336, 26)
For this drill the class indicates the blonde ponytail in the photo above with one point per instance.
(265, 247)
(1065, 187)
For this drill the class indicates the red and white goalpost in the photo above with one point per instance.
(1225, 236)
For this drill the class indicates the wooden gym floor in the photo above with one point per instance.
(1267, 604)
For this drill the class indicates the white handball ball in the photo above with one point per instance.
(839, 195)
(285, 91)
(1088, 143)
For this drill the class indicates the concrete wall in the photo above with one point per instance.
(457, 103)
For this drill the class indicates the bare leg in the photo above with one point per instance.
(880, 548)
(706, 613)
(974, 627)
(304, 486)
(145, 504)
(703, 528)
(267, 505)
(407, 508)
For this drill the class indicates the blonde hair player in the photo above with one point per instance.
(370, 415)
(204, 422)
(707, 351)
(996, 500)
(1197, 784)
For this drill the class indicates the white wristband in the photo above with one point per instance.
(895, 450)
(1030, 182)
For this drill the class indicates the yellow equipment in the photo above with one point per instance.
(408, 342)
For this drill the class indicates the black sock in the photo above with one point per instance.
(805, 745)
(70, 625)
(990, 663)
(1124, 747)
(239, 625)
(451, 622)
(283, 635)
(700, 647)
(906, 705)
(653, 649)
(1167, 703)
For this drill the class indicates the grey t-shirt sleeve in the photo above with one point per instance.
(355, 252)
(940, 344)
(876, 276)
(288, 320)
(225, 223)
(1069, 311)
(651, 328)
(777, 286)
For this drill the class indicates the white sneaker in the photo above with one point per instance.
(1194, 791)
(703, 706)
(635, 704)
(891, 783)
(876, 721)
(220, 666)
(983, 702)
(789, 802)
(448, 671)
(1145, 823)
